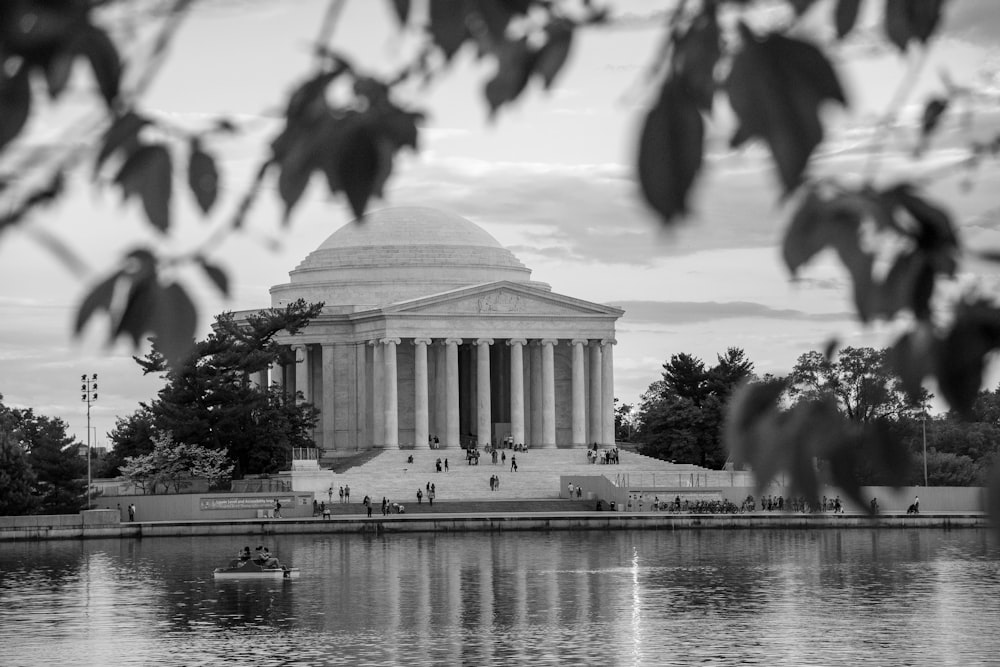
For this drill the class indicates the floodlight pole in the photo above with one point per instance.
(88, 390)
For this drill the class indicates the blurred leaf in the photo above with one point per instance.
(907, 20)
(670, 151)
(98, 48)
(447, 25)
(933, 111)
(216, 275)
(359, 165)
(175, 323)
(752, 427)
(552, 56)
(203, 177)
(891, 454)
(402, 9)
(908, 285)
(845, 16)
(15, 103)
(147, 173)
(57, 71)
(807, 233)
(122, 134)
(99, 298)
(961, 356)
(515, 60)
(696, 54)
(775, 87)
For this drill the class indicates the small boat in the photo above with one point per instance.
(249, 569)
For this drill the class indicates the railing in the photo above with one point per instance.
(305, 454)
(688, 479)
(266, 485)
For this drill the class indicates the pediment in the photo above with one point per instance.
(502, 299)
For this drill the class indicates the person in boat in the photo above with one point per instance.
(245, 554)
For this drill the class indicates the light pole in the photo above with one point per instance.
(924, 425)
(88, 390)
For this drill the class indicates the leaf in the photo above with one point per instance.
(514, 65)
(961, 356)
(359, 167)
(447, 25)
(15, 103)
(801, 6)
(57, 71)
(97, 47)
(911, 20)
(203, 177)
(751, 427)
(670, 151)
(175, 323)
(122, 134)
(552, 56)
(934, 231)
(99, 298)
(933, 110)
(845, 16)
(775, 87)
(911, 357)
(216, 275)
(908, 285)
(402, 9)
(696, 55)
(147, 173)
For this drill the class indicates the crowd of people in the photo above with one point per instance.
(604, 456)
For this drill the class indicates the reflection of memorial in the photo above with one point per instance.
(433, 330)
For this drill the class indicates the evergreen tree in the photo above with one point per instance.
(54, 457)
(17, 479)
(209, 399)
(131, 436)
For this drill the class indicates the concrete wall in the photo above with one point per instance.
(932, 498)
(212, 506)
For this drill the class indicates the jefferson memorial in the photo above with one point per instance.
(435, 335)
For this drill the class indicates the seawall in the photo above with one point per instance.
(49, 527)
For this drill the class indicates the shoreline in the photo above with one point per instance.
(481, 522)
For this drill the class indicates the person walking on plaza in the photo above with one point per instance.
(367, 502)
(347, 493)
(430, 496)
(446, 465)
(385, 503)
(277, 508)
(329, 494)
(131, 512)
(341, 492)
(420, 496)
(513, 463)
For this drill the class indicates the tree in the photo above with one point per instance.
(210, 401)
(623, 421)
(174, 465)
(17, 480)
(60, 470)
(681, 415)
(859, 379)
(131, 436)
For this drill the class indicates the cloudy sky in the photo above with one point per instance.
(550, 177)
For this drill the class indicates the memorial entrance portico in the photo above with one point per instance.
(433, 334)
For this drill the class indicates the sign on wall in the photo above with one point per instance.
(242, 503)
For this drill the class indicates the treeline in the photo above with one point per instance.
(41, 470)
(681, 416)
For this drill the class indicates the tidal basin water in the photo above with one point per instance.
(820, 597)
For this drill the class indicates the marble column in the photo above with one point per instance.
(440, 391)
(517, 388)
(548, 394)
(421, 410)
(537, 434)
(278, 377)
(484, 414)
(378, 394)
(451, 436)
(596, 431)
(302, 371)
(579, 429)
(608, 389)
(327, 414)
(391, 394)
(362, 432)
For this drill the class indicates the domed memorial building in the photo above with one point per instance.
(433, 332)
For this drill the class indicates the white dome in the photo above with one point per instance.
(398, 254)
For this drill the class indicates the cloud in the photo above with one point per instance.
(687, 312)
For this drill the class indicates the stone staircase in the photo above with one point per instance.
(389, 474)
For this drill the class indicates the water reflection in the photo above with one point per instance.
(650, 597)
